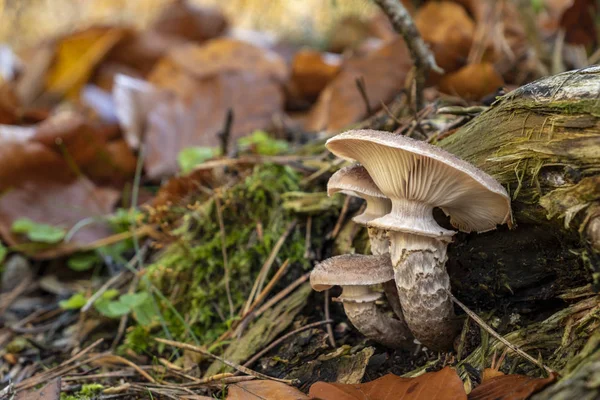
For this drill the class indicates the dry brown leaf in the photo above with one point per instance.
(40, 179)
(51, 391)
(185, 20)
(260, 390)
(472, 82)
(579, 23)
(77, 55)
(448, 30)
(312, 71)
(441, 385)
(509, 387)
(199, 85)
(341, 104)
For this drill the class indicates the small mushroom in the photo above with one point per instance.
(417, 177)
(356, 274)
(355, 181)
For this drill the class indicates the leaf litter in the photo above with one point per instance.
(213, 139)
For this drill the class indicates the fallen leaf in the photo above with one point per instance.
(185, 20)
(448, 30)
(312, 71)
(472, 82)
(76, 57)
(41, 180)
(384, 72)
(509, 387)
(579, 23)
(263, 389)
(441, 385)
(198, 85)
(49, 392)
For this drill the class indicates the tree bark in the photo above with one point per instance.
(542, 142)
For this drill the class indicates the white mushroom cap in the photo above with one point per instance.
(351, 270)
(355, 181)
(413, 173)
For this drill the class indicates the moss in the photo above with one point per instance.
(190, 271)
(88, 392)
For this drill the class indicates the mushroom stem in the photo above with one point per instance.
(371, 322)
(422, 282)
(380, 244)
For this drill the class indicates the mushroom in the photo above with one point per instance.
(417, 177)
(356, 273)
(355, 181)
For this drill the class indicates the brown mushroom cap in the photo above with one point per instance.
(418, 172)
(351, 270)
(354, 180)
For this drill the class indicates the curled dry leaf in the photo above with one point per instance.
(259, 390)
(472, 82)
(509, 387)
(198, 85)
(448, 30)
(384, 72)
(441, 385)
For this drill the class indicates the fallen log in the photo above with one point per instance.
(542, 142)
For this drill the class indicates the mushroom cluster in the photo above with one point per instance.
(402, 181)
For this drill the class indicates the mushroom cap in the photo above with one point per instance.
(354, 180)
(404, 168)
(351, 270)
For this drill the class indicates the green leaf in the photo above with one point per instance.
(75, 302)
(145, 313)
(35, 232)
(3, 252)
(135, 299)
(111, 309)
(110, 294)
(82, 261)
(261, 143)
(189, 157)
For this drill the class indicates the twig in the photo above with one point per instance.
(327, 317)
(270, 285)
(233, 365)
(307, 237)
(340, 220)
(283, 338)
(102, 289)
(264, 270)
(492, 332)
(362, 89)
(422, 57)
(111, 358)
(9, 298)
(224, 252)
(282, 294)
(225, 134)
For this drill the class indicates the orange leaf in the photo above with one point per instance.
(449, 30)
(260, 390)
(341, 104)
(510, 387)
(441, 385)
(472, 82)
(312, 71)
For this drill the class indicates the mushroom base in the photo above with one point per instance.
(423, 285)
(377, 326)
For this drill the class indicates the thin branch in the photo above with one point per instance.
(283, 338)
(420, 53)
(241, 368)
(495, 334)
(362, 88)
